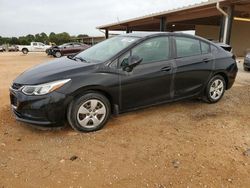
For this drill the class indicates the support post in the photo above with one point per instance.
(230, 24)
(106, 33)
(222, 27)
(163, 24)
(127, 30)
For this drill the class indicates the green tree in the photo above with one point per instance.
(52, 37)
(14, 40)
(30, 38)
(44, 37)
(23, 41)
(82, 36)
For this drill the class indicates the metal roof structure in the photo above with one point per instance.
(184, 18)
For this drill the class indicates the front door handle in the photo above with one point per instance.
(166, 69)
(206, 60)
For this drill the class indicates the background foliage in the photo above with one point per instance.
(58, 38)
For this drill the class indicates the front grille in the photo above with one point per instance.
(16, 86)
(13, 100)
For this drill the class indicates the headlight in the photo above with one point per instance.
(248, 55)
(44, 88)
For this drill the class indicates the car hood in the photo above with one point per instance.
(61, 68)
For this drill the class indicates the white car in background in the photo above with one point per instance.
(2, 49)
(33, 47)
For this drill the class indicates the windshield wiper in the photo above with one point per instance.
(79, 58)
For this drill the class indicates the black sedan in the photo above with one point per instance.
(247, 62)
(121, 74)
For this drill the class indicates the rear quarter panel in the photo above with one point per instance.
(226, 64)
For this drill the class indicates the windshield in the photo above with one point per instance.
(66, 44)
(106, 49)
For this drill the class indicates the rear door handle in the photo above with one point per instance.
(166, 69)
(206, 60)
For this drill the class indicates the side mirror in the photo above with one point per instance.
(129, 63)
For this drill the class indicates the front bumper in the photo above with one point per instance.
(50, 51)
(47, 110)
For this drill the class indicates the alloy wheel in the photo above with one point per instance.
(91, 113)
(58, 54)
(216, 89)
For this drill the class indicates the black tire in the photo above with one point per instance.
(25, 51)
(246, 69)
(73, 115)
(57, 54)
(214, 98)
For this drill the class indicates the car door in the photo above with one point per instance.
(35, 47)
(68, 49)
(151, 81)
(194, 64)
(77, 48)
(38, 47)
(41, 47)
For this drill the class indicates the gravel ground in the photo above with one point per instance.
(182, 144)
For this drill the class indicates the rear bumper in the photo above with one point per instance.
(230, 83)
(231, 74)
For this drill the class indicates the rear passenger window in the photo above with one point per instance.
(186, 47)
(205, 48)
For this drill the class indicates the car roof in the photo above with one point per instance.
(143, 34)
(152, 34)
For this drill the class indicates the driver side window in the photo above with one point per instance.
(153, 50)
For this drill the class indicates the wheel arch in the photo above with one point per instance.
(224, 75)
(25, 49)
(93, 89)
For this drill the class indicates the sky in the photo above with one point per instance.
(22, 17)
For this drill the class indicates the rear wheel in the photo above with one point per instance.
(246, 69)
(215, 89)
(25, 51)
(89, 112)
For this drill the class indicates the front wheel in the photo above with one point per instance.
(58, 54)
(215, 89)
(89, 112)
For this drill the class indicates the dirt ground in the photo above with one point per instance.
(182, 144)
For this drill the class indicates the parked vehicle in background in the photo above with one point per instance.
(13, 48)
(2, 49)
(33, 47)
(247, 62)
(121, 74)
(67, 49)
